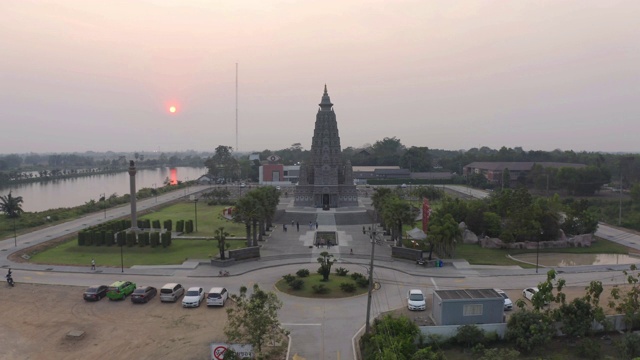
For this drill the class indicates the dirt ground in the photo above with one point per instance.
(37, 318)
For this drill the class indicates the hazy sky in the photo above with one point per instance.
(101, 75)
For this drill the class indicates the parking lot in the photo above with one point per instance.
(37, 318)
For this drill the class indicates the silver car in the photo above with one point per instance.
(193, 297)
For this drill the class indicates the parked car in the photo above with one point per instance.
(143, 294)
(508, 304)
(217, 296)
(171, 292)
(120, 289)
(529, 292)
(95, 292)
(416, 300)
(193, 297)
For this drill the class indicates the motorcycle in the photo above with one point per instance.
(9, 280)
(223, 273)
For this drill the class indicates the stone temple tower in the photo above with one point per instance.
(325, 180)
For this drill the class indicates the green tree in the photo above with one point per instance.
(395, 213)
(506, 178)
(223, 164)
(388, 151)
(395, 338)
(326, 261)
(416, 159)
(249, 210)
(529, 330)
(221, 236)
(627, 300)
(443, 233)
(12, 208)
(254, 320)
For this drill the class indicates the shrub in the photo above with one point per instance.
(342, 271)
(348, 287)
(82, 235)
(108, 238)
(356, 276)
(589, 349)
(302, 273)
(156, 224)
(529, 330)
(188, 226)
(154, 239)
(180, 226)
(296, 284)
(629, 346)
(469, 336)
(131, 239)
(500, 354)
(165, 239)
(320, 289)
(362, 282)
(288, 278)
(143, 239)
(121, 238)
(167, 225)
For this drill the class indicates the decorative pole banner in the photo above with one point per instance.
(426, 213)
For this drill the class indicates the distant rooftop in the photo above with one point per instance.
(467, 294)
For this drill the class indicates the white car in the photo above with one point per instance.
(193, 297)
(508, 304)
(217, 296)
(529, 292)
(416, 300)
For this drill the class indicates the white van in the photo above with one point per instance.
(171, 292)
(217, 296)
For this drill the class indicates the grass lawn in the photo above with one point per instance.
(69, 253)
(476, 255)
(316, 279)
(209, 218)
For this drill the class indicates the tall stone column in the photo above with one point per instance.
(132, 197)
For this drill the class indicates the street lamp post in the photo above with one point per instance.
(103, 198)
(195, 204)
(155, 192)
(372, 236)
(538, 251)
(121, 258)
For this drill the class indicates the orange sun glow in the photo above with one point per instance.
(172, 109)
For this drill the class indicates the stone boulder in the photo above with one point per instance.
(491, 243)
(468, 237)
(583, 240)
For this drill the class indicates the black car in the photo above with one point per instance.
(143, 294)
(95, 292)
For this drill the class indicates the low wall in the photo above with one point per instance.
(448, 331)
(405, 253)
(245, 253)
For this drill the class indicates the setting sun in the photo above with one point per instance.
(172, 109)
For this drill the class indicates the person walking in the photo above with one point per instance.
(316, 225)
(297, 226)
(93, 264)
(310, 225)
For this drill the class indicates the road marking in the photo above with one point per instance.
(294, 324)
(434, 284)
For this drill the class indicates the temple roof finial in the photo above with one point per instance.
(325, 104)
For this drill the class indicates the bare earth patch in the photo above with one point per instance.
(37, 318)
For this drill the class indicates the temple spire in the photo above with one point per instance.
(325, 104)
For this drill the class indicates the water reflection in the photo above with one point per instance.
(559, 260)
(77, 191)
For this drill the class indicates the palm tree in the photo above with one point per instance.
(395, 213)
(246, 211)
(12, 208)
(221, 236)
(444, 233)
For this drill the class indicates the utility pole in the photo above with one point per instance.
(372, 236)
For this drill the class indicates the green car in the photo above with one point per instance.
(120, 289)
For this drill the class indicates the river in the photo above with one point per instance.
(39, 196)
